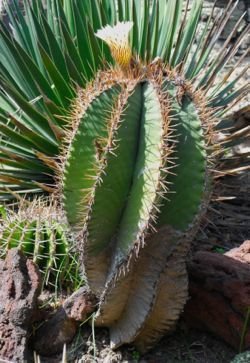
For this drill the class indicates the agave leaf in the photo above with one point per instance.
(23, 125)
(168, 27)
(20, 27)
(96, 15)
(65, 91)
(221, 93)
(56, 53)
(12, 69)
(206, 46)
(191, 65)
(52, 19)
(153, 38)
(229, 98)
(40, 124)
(17, 138)
(38, 35)
(35, 34)
(12, 163)
(28, 69)
(84, 44)
(122, 10)
(109, 12)
(73, 53)
(186, 34)
(222, 59)
(68, 10)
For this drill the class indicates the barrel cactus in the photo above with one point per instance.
(41, 233)
(137, 159)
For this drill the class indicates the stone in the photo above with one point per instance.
(61, 328)
(20, 284)
(220, 295)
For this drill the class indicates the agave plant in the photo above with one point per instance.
(119, 100)
(40, 231)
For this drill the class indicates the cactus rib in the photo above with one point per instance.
(189, 177)
(84, 162)
(143, 203)
(111, 192)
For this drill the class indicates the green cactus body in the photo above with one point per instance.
(125, 189)
(187, 184)
(83, 163)
(46, 243)
(143, 197)
(149, 174)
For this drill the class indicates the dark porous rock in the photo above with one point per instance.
(220, 295)
(19, 288)
(61, 328)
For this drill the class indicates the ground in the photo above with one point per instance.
(184, 346)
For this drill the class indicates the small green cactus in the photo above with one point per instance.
(42, 236)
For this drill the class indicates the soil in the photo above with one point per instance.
(184, 346)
